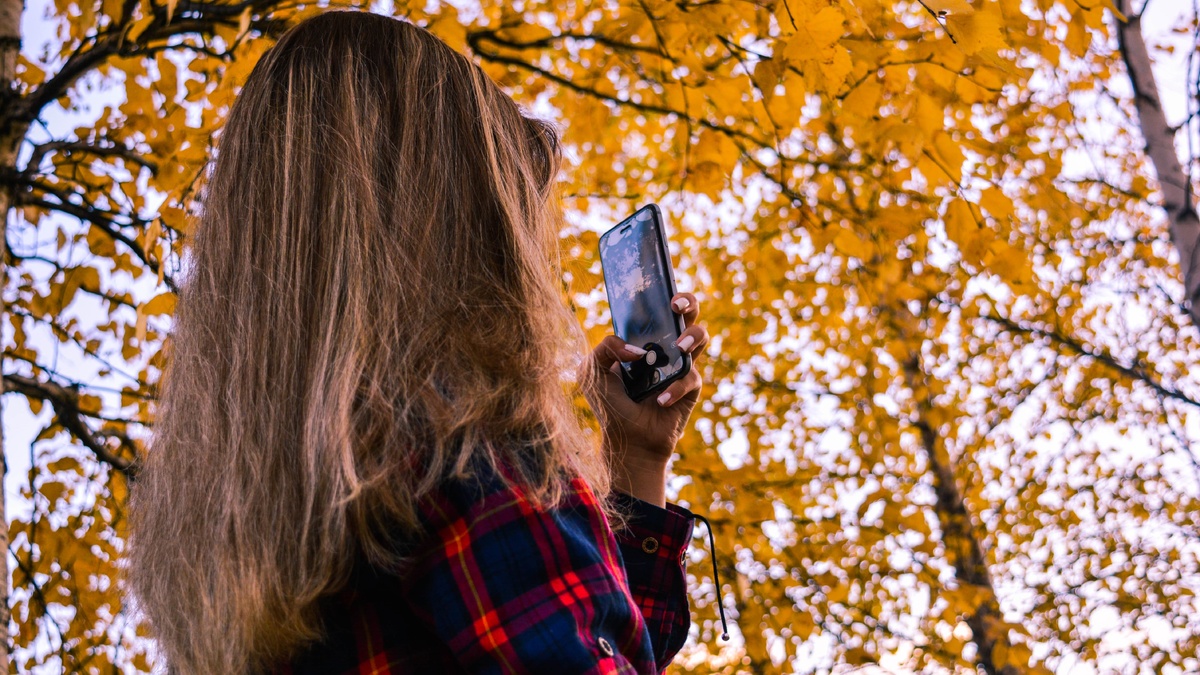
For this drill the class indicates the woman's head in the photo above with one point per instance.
(371, 299)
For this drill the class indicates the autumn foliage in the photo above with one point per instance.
(950, 396)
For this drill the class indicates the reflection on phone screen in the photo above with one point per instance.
(640, 296)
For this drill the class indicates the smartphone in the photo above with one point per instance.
(640, 285)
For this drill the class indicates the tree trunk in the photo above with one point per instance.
(10, 138)
(1160, 148)
(988, 629)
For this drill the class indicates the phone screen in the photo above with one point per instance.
(638, 279)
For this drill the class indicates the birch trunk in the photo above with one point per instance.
(1160, 148)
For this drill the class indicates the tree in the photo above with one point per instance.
(949, 417)
(112, 197)
(1160, 147)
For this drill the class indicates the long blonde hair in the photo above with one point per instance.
(372, 301)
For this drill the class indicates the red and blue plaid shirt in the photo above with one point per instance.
(499, 586)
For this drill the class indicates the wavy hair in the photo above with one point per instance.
(372, 302)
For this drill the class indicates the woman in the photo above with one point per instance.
(366, 457)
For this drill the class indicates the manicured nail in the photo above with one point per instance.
(685, 342)
(636, 351)
(664, 398)
(680, 304)
(616, 368)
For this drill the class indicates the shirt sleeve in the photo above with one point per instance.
(653, 548)
(511, 588)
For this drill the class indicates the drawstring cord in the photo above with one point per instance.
(712, 553)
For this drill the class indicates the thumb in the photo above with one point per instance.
(612, 350)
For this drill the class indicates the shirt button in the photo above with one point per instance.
(649, 544)
(605, 647)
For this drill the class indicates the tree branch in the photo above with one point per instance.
(1133, 372)
(100, 218)
(65, 402)
(68, 147)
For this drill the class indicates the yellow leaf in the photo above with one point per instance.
(31, 73)
(714, 146)
(785, 108)
(89, 278)
(966, 598)
(789, 23)
(817, 37)
(64, 464)
(90, 403)
(847, 241)
(929, 116)
(835, 68)
(119, 487)
(1078, 37)
(1113, 8)
(151, 234)
(712, 160)
(950, 155)
(1000, 654)
(766, 75)
(168, 77)
(838, 593)
(53, 491)
(978, 32)
(825, 28)
(996, 203)
(450, 29)
(139, 333)
(706, 178)
(858, 656)
(244, 23)
(100, 242)
(950, 6)
(916, 522)
(1009, 263)
(138, 27)
(863, 100)
(163, 249)
(525, 32)
(960, 223)
(163, 303)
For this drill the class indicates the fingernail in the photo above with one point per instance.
(685, 342)
(680, 304)
(616, 368)
(664, 398)
(636, 351)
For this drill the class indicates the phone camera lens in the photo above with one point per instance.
(655, 355)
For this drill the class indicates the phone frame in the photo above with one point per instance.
(664, 253)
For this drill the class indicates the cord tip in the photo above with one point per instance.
(724, 636)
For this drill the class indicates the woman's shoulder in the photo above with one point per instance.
(495, 581)
(490, 490)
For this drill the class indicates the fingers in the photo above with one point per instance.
(688, 385)
(693, 340)
(613, 349)
(687, 305)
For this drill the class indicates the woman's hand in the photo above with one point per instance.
(641, 436)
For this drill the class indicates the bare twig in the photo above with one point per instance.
(65, 402)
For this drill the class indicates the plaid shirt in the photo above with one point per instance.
(501, 587)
